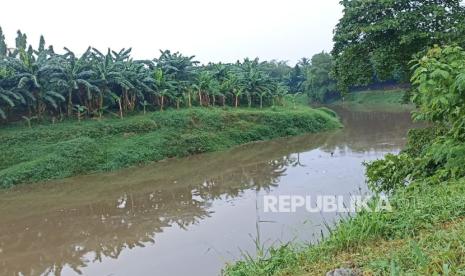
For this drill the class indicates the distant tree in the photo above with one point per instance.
(21, 41)
(3, 47)
(41, 44)
(296, 79)
(319, 80)
(304, 62)
(376, 39)
(278, 70)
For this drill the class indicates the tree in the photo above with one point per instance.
(72, 75)
(41, 44)
(162, 86)
(205, 85)
(112, 81)
(375, 40)
(8, 98)
(31, 79)
(255, 81)
(319, 81)
(234, 85)
(3, 47)
(39, 81)
(296, 79)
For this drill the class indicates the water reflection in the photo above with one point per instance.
(78, 225)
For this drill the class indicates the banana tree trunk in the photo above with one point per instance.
(237, 101)
(100, 105)
(120, 109)
(125, 99)
(133, 101)
(70, 103)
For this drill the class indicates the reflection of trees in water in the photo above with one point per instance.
(73, 236)
(66, 237)
(260, 176)
(85, 219)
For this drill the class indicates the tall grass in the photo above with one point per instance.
(415, 238)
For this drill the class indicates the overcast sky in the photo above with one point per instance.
(213, 30)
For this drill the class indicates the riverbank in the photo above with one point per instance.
(423, 235)
(376, 100)
(65, 149)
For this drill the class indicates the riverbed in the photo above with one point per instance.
(190, 216)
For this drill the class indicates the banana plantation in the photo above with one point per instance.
(39, 82)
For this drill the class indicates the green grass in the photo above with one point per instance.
(424, 235)
(70, 148)
(384, 100)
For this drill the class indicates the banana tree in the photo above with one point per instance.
(9, 98)
(234, 86)
(294, 98)
(162, 86)
(261, 93)
(279, 92)
(206, 85)
(32, 80)
(72, 74)
(110, 71)
(164, 94)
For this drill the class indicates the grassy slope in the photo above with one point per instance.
(385, 100)
(425, 235)
(70, 148)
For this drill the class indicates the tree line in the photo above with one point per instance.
(374, 42)
(38, 82)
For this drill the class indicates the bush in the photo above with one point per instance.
(391, 173)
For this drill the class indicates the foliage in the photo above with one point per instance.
(375, 40)
(420, 139)
(319, 81)
(439, 78)
(296, 79)
(41, 83)
(436, 153)
(3, 48)
(391, 173)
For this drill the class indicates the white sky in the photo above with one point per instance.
(213, 30)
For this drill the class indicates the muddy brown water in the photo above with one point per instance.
(189, 216)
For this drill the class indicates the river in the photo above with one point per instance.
(190, 216)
